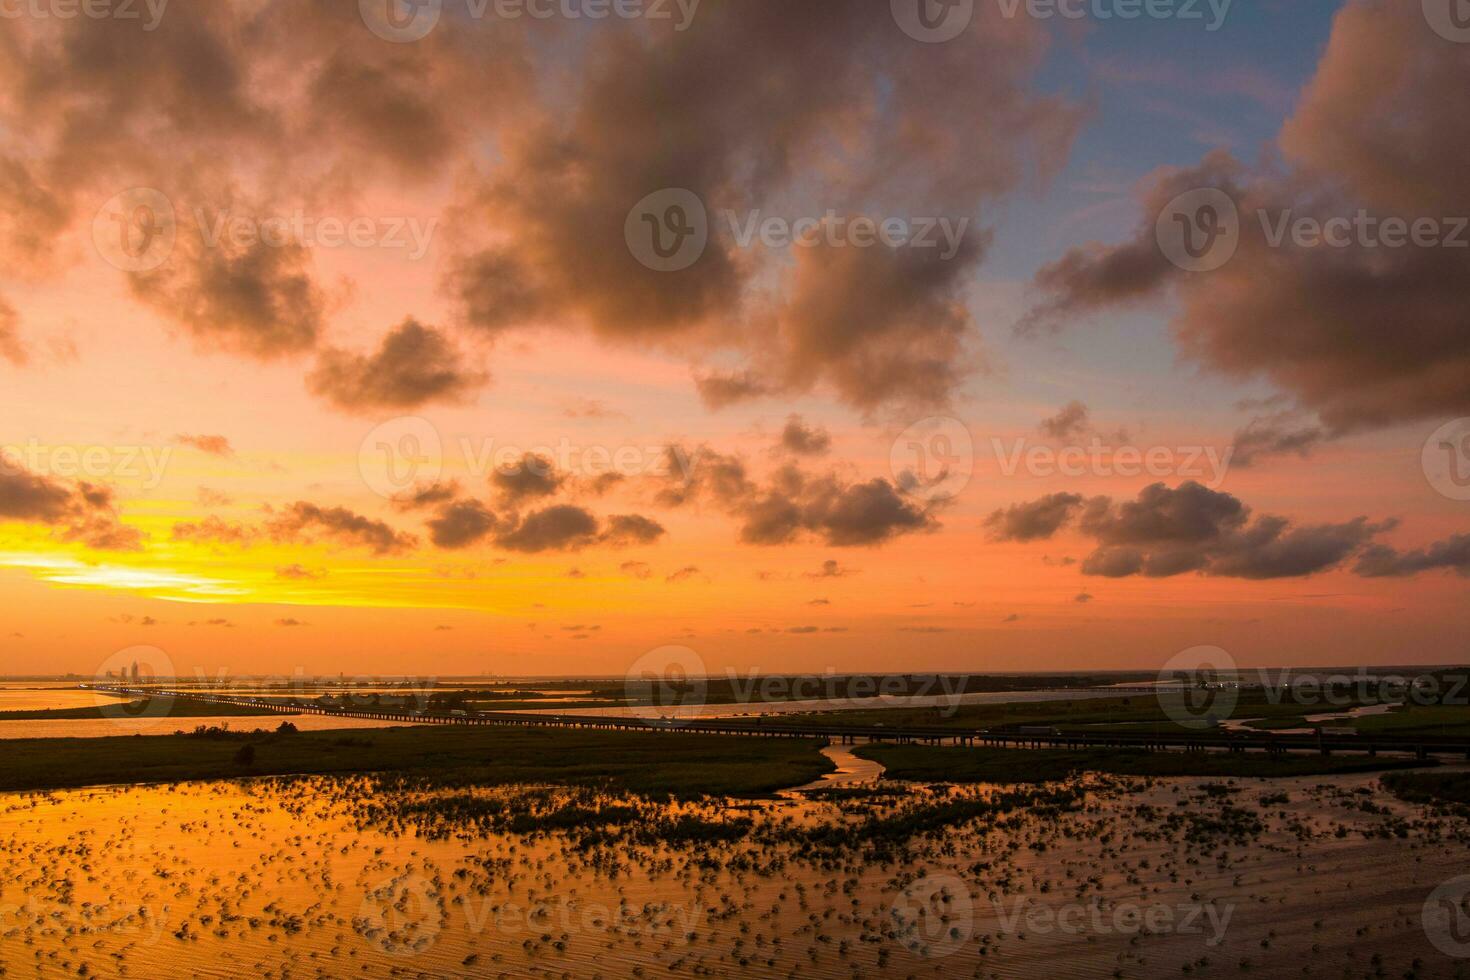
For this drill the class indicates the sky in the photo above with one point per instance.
(526, 338)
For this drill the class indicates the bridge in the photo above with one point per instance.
(769, 726)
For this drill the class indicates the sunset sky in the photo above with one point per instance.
(281, 297)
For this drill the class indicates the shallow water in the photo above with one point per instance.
(40, 697)
(107, 727)
(334, 877)
(852, 771)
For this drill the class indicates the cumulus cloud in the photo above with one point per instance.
(532, 477)
(306, 522)
(1365, 137)
(259, 300)
(804, 440)
(414, 365)
(81, 512)
(561, 527)
(1033, 521)
(1382, 561)
(460, 524)
(942, 129)
(1166, 532)
(793, 503)
(630, 529)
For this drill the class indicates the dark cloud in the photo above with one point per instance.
(258, 300)
(688, 573)
(720, 390)
(793, 503)
(636, 569)
(1069, 423)
(804, 440)
(305, 522)
(532, 477)
(426, 495)
(461, 524)
(941, 129)
(1033, 521)
(299, 573)
(27, 496)
(1166, 532)
(1382, 561)
(1365, 335)
(1280, 433)
(630, 529)
(562, 527)
(81, 512)
(414, 365)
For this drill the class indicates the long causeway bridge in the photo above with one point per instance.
(770, 726)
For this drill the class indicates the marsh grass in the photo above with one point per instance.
(666, 763)
(985, 765)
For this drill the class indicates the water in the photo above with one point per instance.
(332, 877)
(108, 727)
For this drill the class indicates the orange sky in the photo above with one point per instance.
(232, 383)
